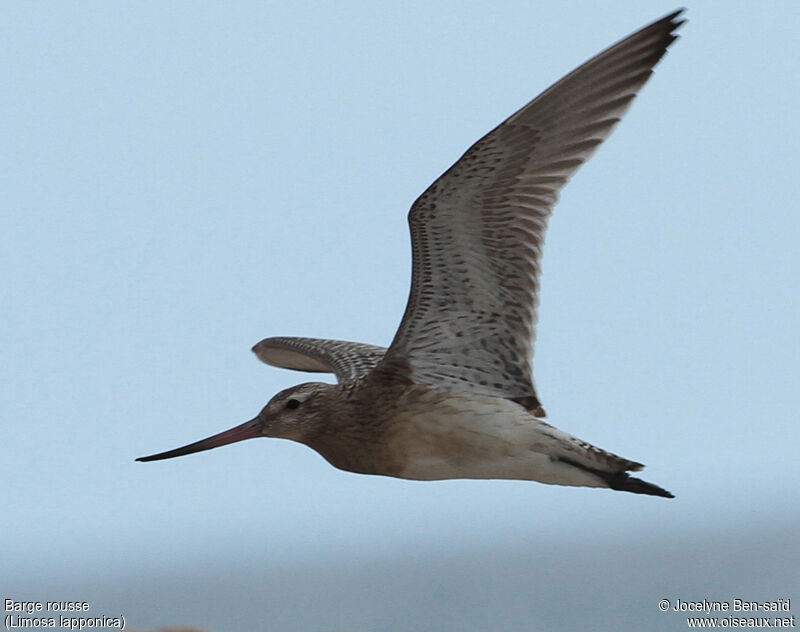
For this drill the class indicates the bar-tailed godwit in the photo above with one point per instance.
(453, 395)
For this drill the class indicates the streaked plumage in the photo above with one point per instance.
(453, 396)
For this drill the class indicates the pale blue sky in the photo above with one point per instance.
(180, 180)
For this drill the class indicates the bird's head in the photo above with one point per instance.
(295, 413)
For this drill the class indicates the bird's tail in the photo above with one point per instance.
(622, 481)
(608, 467)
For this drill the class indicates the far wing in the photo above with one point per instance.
(348, 360)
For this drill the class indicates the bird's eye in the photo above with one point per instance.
(292, 404)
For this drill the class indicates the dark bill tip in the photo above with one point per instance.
(248, 430)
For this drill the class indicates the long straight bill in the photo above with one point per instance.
(248, 430)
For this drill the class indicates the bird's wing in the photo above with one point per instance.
(348, 360)
(477, 232)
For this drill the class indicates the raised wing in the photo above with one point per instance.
(477, 232)
(348, 360)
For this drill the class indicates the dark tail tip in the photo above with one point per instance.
(626, 483)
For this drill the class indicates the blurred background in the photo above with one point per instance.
(180, 180)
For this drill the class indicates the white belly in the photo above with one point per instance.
(467, 436)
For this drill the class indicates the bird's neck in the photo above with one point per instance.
(350, 436)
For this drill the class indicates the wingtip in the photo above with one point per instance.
(674, 20)
(672, 17)
(257, 347)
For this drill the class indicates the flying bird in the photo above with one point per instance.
(453, 395)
